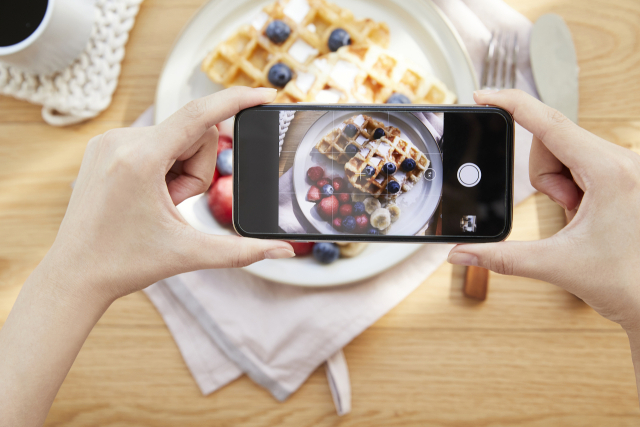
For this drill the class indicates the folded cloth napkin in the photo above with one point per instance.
(228, 322)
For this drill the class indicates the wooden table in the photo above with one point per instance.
(531, 355)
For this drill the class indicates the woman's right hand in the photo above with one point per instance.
(597, 255)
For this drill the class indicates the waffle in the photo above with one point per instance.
(376, 154)
(333, 144)
(244, 59)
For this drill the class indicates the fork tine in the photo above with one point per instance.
(514, 60)
(504, 59)
(488, 59)
(495, 60)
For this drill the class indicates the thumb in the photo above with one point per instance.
(212, 251)
(527, 259)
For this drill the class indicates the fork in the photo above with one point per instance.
(499, 71)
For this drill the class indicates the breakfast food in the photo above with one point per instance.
(346, 140)
(219, 199)
(388, 166)
(275, 49)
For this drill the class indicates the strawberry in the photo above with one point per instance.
(362, 223)
(337, 223)
(313, 195)
(301, 248)
(315, 173)
(220, 200)
(344, 197)
(321, 183)
(339, 185)
(346, 210)
(216, 175)
(328, 207)
(224, 142)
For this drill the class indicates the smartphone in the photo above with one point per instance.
(376, 173)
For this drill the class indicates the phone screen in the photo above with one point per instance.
(343, 173)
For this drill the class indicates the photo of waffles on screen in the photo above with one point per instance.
(391, 173)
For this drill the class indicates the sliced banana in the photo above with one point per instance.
(394, 210)
(381, 218)
(358, 197)
(352, 249)
(385, 231)
(371, 204)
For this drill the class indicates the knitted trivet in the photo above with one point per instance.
(84, 88)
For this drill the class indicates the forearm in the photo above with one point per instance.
(40, 340)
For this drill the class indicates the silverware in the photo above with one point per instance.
(555, 65)
(499, 70)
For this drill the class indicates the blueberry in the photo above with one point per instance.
(325, 252)
(278, 31)
(389, 168)
(393, 187)
(408, 165)
(369, 171)
(358, 208)
(225, 162)
(350, 130)
(327, 190)
(280, 74)
(349, 223)
(338, 38)
(373, 231)
(351, 150)
(398, 98)
(378, 133)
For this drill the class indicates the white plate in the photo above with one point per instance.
(418, 30)
(417, 206)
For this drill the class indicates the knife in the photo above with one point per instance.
(554, 64)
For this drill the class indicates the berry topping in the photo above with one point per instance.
(327, 190)
(322, 182)
(349, 223)
(358, 208)
(378, 133)
(350, 130)
(362, 223)
(328, 208)
(408, 165)
(373, 231)
(393, 187)
(220, 200)
(398, 98)
(369, 171)
(224, 164)
(314, 194)
(224, 142)
(346, 210)
(339, 184)
(338, 38)
(301, 248)
(343, 197)
(278, 31)
(389, 168)
(337, 223)
(280, 74)
(315, 173)
(325, 252)
(351, 150)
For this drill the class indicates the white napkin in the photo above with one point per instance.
(228, 322)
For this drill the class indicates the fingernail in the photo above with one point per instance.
(268, 91)
(485, 91)
(460, 258)
(278, 253)
(562, 205)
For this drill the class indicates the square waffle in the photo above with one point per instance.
(376, 154)
(246, 57)
(333, 144)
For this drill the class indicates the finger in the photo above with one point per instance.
(549, 176)
(186, 125)
(193, 170)
(211, 251)
(572, 145)
(511, 258)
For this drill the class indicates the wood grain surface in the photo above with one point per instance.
(530, 355)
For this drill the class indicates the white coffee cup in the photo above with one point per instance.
(59, 38)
